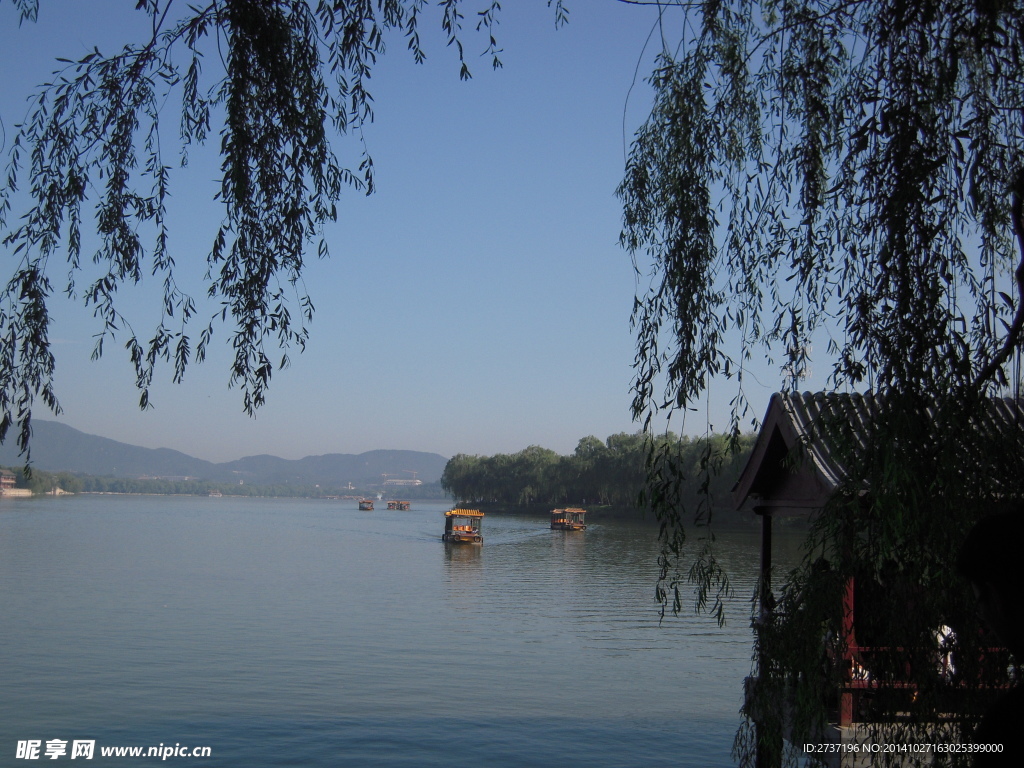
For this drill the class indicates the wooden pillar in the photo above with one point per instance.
(848, 644)
(765, 595)
(769, 745)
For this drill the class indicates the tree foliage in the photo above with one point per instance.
(46, 482)
(851, 171)
(275, 81)
(604, 473)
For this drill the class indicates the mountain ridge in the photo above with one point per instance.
(57, 447)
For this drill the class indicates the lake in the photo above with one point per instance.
(286, 632)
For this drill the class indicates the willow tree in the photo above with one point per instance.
(849, 170)
(276, 83)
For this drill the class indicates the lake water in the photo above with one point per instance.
(306, 633)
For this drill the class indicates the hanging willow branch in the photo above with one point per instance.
(1016, 327)
(839, 171)
(278, 81)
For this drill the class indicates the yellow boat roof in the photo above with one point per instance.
(464, 513)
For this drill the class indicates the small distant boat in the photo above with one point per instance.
(570, 519)
(399, 505)
(462, 526)
(215, 494)
(366, 505)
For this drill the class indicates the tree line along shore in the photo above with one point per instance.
(607, 477)
(44, 482)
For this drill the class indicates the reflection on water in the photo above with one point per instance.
(462, 555)
(463, 569)
(568, 545)
(284, 632)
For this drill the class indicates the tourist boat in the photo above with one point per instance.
(570, 519)
(366, 505)
(462, 526)
(399, 505)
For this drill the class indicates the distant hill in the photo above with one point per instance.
(60, 448)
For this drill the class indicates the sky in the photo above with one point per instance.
(478, 302)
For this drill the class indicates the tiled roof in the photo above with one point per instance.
(796, 420)
(809, 411)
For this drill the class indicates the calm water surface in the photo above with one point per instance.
(306, 633)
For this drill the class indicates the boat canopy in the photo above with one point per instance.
(571, 513)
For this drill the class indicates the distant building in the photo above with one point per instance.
(7, 481)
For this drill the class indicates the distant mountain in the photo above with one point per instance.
(57, 447)
(338, 468)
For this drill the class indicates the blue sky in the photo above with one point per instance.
(479, 302)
